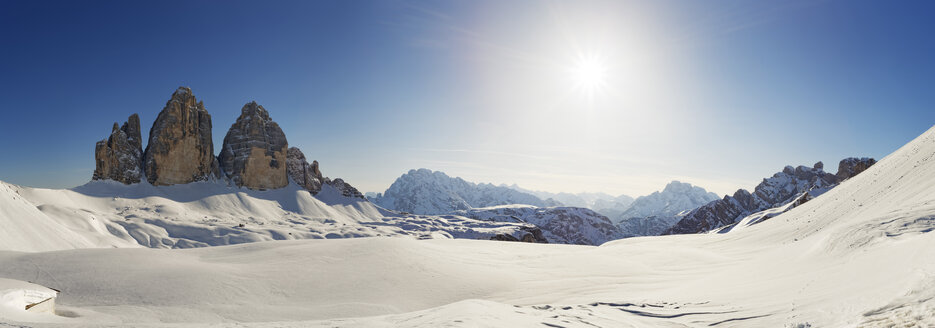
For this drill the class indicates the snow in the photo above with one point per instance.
(564, 225)
(16, 295)
(105, 214)
(862, 254)
(425, 191)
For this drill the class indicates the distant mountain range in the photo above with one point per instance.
(652, 214)
(564, 217)
(594, 218)
(783, 191)
(606, 204)
(430, 192)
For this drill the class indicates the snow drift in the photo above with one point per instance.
(106, 214)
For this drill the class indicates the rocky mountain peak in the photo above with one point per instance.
(791, 186)
(680, 187)
(254, 151)
(654, 213)
(119, 157)
(252, 109)
(306, 176)
(423, 191)
(180, 148)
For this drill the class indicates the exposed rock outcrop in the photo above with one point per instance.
(852, 166)
(774, 196)
(346, 189)
(180, 148)
(254, 150)
(306, 176)
(119, 157)
(529, 235)
(564, 225)
(309, 177)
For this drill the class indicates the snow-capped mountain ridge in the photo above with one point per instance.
(424, 191)
(652, 214)
(783, 191)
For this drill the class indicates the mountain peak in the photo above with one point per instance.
(252, 109)
(423, 191)
(678, 186)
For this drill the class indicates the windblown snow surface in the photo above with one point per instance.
(860, 255)
(109, 214)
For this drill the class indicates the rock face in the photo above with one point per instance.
(346, 189)
(775, 195)
(424, 191)
(852, 166)
(254, 150)
(306, 176)
(180, 149)
(120, 156)
(309, 177)
(529, 235)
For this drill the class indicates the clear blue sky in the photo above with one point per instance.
(717, 93)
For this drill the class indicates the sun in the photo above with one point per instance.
(589, 75)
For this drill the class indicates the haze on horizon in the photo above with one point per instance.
(560, 96)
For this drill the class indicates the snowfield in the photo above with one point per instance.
(862, 254)
(106, 214)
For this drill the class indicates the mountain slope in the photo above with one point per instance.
(784, 190)
(104, 214)
(652, 214)
(424, 191)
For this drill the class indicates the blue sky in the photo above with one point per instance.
(717, 93)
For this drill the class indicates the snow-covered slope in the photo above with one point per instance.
(27, 227)
(424, 191)
(111, 214)
(783, 191)
(652, 214)
(564, 225)
(861, 255)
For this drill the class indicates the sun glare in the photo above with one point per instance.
(589, 75)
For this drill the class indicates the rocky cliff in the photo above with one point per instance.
(773, 196)
(309, 177)
(306, 176)
(344, 188)
(254, 150)
(119, 157)
(180, 148)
